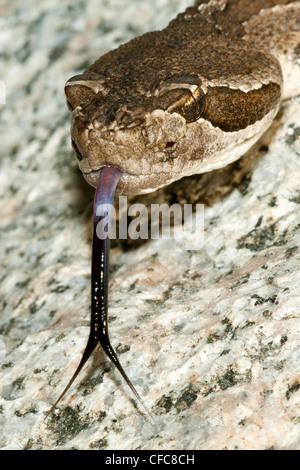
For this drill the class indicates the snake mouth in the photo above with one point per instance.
(94, 174)
(129, 184)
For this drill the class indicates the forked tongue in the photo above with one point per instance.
(107, 183)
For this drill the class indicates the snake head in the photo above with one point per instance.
(158, 109)
(139, 133)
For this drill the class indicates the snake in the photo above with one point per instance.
(185, 100)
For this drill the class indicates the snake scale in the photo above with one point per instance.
(189, 99)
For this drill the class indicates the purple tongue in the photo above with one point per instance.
(107, 183)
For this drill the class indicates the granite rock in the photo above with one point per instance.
(209, 337)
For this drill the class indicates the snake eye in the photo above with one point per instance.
(77, 92)
(182, 94)
(181, 101)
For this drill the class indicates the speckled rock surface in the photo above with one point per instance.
(210, 338)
